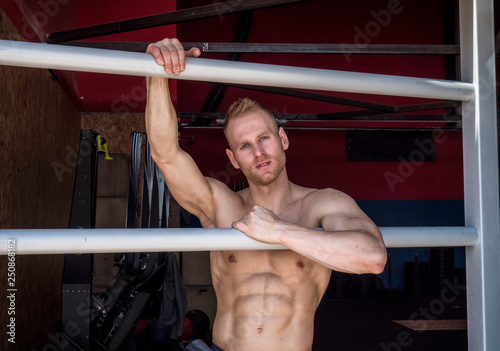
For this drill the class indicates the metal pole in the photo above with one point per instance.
(328, 48)
(481, 189)
(62, 57)
(282, 48)
(59, 241)
(216, 8)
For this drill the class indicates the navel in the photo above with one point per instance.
(232, 259)
(300, 264)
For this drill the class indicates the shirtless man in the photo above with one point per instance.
(266, 300)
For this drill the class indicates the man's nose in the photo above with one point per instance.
(259, 151)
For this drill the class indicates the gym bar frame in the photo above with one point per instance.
(72, 58)
(80, 241)
(481, 234)
(283, 48)
(480, 164)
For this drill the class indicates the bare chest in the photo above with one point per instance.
(267, 265)
(295, 213)
(278, 262)
(281, 273)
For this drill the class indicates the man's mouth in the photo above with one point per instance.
(263, 164)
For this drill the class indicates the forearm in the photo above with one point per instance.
(161, 121)
(347, 251)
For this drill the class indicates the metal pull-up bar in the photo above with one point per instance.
(80, 241)
(23, 54)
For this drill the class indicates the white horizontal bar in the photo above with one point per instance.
(68, 241)
(430, 236)
(23, 54)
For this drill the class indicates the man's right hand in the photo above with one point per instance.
(170, 54)
(183, 177)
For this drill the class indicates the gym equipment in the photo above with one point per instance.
(77, 271)
(364, 286)
(102, 146)
(442, 269)
(62, 57)
(140, 327)
(197, 345)
(202, 239)
(187, 332)
(479, 122)
(158, 336)
(416, 278)
(339, 286)
(107, 321)
(201, 323)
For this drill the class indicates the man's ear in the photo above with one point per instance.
(230, 155)
(284, 138)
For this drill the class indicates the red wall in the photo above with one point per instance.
(325, 21)
(318, 158)
(90, 92)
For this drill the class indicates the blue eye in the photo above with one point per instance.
(244, 146)
(263, 138)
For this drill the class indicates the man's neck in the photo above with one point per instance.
(273, 196)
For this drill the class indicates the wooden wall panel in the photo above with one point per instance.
(39, 135)
(116, 129)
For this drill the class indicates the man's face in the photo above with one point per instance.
(256, 147)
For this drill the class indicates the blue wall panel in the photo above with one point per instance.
(413, 213)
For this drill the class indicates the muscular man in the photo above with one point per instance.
(266, 300)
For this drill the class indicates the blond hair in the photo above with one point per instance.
(244, 106)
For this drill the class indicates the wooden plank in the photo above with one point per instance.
(437, 324)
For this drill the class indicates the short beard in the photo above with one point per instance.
(278, 166)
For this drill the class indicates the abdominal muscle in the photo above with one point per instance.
(266, 300)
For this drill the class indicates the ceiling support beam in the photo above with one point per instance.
(315, 97)
(283, 118)
(285, 48)
(217, 8)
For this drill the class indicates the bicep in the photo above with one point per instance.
(341, 213)
(188, 185)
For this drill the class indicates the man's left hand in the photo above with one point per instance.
(260, 224)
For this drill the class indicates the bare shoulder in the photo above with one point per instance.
(328, 197)
(336, 209)
(227, 203)
(220, 191)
